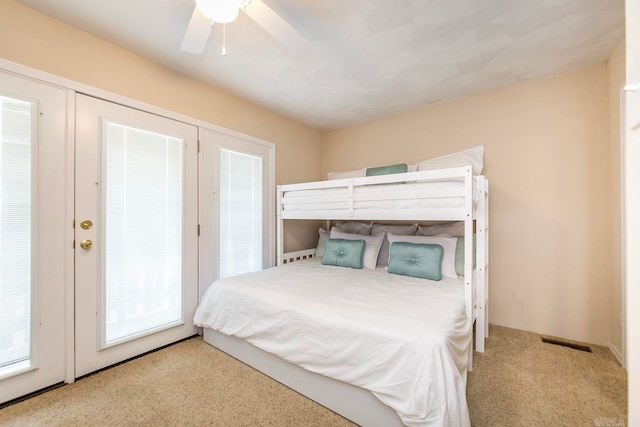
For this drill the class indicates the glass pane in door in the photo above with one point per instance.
(240, 213)
(142, 281)
(15, 234)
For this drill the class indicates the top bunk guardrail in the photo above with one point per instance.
(443, 194)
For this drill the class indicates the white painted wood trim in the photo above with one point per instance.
(290, 257)
(616, 353)
(279, 227)
(70, 343)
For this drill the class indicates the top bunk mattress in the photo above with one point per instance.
(404, 339)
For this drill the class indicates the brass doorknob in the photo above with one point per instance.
(86, 224)
(86, 244)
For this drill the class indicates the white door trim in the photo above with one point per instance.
(69, 264)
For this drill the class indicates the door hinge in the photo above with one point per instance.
(74, 244)
(73, 224)
(198, 229)
(198, 146)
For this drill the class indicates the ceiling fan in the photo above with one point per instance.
(208, 12)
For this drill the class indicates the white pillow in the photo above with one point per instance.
(453, 229)
(348, 174)
(400, 230)
(322, 242)
(371, 248)
(447, 243)
(473, 156)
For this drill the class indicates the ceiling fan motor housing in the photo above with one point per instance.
(221, 11)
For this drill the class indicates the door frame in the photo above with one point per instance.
(72, 87)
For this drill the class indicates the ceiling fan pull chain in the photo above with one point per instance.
(224, 39)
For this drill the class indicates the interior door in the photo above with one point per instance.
(136, 232)
(33, 167)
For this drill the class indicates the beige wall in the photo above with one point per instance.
(547, 158)
(33, 39)
(616, 71)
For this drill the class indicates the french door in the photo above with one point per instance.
(99, 229)
(136, 232)
(33, 226)
(237, 205)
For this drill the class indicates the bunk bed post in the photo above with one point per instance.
(279, 228)
(486, 258)
(481, 264)
(468, 253)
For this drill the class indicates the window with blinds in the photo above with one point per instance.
(15, 233)
(143, 231)
(241, 213)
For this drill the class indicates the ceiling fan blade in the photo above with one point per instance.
(197, 34)
(284, 33)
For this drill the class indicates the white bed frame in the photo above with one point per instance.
(352, 402)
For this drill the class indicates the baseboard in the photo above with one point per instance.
(617, 354)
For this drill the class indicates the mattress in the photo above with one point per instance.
(404, 339)
(414, 195)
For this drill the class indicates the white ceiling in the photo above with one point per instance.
(368, 58)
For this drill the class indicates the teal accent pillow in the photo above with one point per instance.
(344, 253)
(423, 260)
(460, 256)
(387, 170)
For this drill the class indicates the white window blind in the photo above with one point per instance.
(15, 232)
(143, 237)
(240, 213)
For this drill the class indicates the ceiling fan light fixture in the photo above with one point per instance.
(221, 11)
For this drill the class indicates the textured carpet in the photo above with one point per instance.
(518, 381)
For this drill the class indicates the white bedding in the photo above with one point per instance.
(422, 195)
(402, 338)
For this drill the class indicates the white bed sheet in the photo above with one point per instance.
(421, 195)
(403, 339)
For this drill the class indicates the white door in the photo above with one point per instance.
(33, 171)
(136, 232)
(237, 205)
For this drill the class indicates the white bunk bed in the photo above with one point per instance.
(453, 194)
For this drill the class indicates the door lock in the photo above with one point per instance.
(86, 224)
(86, 244)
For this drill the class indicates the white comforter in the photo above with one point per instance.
(404, 339)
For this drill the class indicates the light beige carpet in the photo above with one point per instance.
(518, 381)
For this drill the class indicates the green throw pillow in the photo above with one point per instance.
(423, 260)
(344, 253)
(460, 255)
(387, 170)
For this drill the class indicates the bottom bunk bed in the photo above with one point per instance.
(380, 349)
(377, 348)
